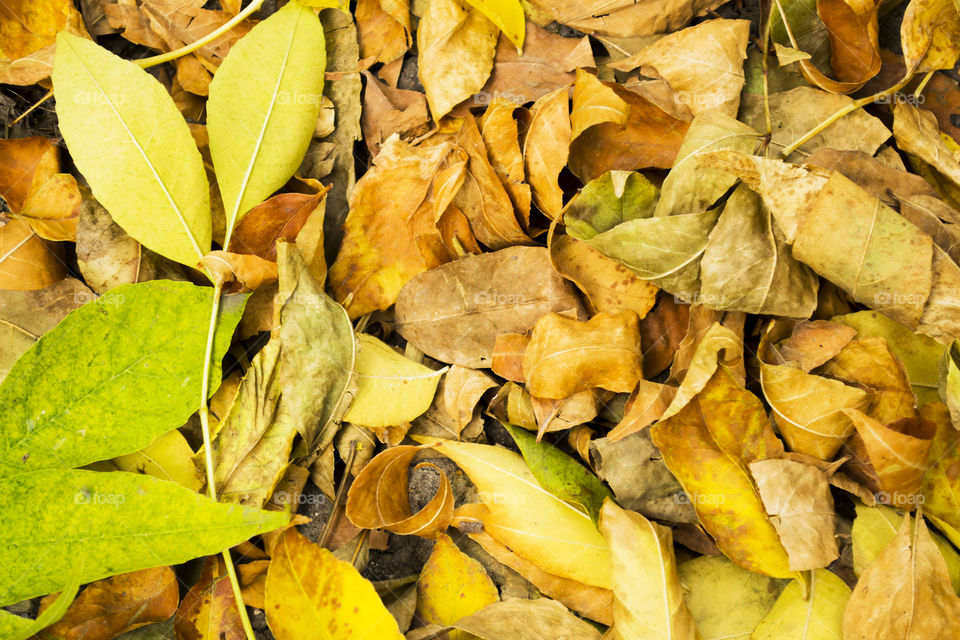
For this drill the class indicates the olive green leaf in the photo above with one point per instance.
(263, 106)
(560, 474)
(109, 523)
(130, 142)
(112, 376)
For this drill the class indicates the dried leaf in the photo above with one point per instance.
(545, 149)
(625, 18)
(29, 29)
(239, 271)
(454, 313)
(925, 48)
(540, 619)
(905, 593)
(501, 137)
(387, 111)
(278, 218)
(456, 44)
(208, 610)
(378, 498)
(648, 597)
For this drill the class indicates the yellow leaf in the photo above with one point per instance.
(391, 389)
(28, 30)
(546, 148)
(929, 33)
(648, 598)
(452, 586)
(130, 142)
(169, 458)
(532, 522)
(817, 615)
(506, 14)
(310, 594)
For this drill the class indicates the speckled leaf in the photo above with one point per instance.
(140, 348)
(560, 474)
(311, 594)
(263, 106)
(109, 523)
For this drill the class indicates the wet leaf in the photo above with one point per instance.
(309, 590)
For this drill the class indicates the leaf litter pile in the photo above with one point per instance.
(529, 320)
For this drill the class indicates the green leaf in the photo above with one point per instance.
(814, 616)
(130, 142)
(109, 523)
(111, 377)
(263, 106)
(560, 474)
(16, 628)
(317, 352)
(605, 202)
(507, 15)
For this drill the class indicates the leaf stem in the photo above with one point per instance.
(839, 113)
(208, 452)
(202, 42)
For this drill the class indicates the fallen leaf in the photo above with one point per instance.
(566, 356)
(27, 315)
(812, 343)
(383, 29)
(278, 218)
(905, 593)
(52, 209)
(924, 48)
(625, 18)
(110, 607)
(545, 149)
(531, 521)
(390, 203)
(708, 446)
(726, 601)
(387, 111)
(813, 612)
(941, 479)
(454, 313)
(797, 499)
(917, 133)
(462, 390)
(391, 389)
(25, 164)
(546, 64)
(595, 103)
(208, 610)
(308, 590)
(169, 457)
(502, 139)
(452, 586)
(709, 73)
(30, 29)
(239, 271)
(378, 498)
(456, 44)
(648, 596)
(853, 33)
(559, 415)
(121, 156)
(540, 619)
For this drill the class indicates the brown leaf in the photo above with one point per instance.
(607, 284)
(917, 133)
(462, 390)
(27, 262)
(855, 51)
(383, 37)
(387, 111)
(651, 137)
(645, 406)
(53, 208)
(812, 343)
(389, 235)
(545, 149)
(905, 594)
(566, 356)
(507, 358)
(881, 181)
(709, 73)
(209, 611)
(110, 607)
(797, 498)
(456, 45)
(502, 139)
(26, 315)
(624, 18)
(546, 64)
(559, 415)
(455, 312)
(379, 499)
(661, 331)
(278, 218)
(243, 272)
(25, 164)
